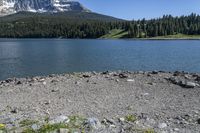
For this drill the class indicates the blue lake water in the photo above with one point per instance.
(31, 57)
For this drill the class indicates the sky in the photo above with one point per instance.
(138, 9)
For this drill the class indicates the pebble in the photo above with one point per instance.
(130, 80)
(77, 83)
(151, 83)
(59, 119)
(93, 123)
(14, 110)
(162, 125)
(47, 102)
(183, 83)
(63, 130)
(109, 121)
(112, 126)
(122, 119)
(105, 72)
(154, 72)
(54, 90)
(19, 83)
(176, 129)
(35, 127)
(8, 120)
(122, 75)
(8, 80)
(189, 84)
(41, 80)
(86, 76)
(198, 121)
(53, 81)
(44, 83)
(146, 94)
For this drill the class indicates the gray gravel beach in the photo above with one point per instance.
(107, 102)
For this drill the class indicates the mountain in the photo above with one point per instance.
(52, 19)
(69, 15)
(13, 6)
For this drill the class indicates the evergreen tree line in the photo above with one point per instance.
(52, 27)
(167, 25)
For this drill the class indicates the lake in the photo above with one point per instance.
(31, 57)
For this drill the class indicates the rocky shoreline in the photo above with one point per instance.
(106, 102)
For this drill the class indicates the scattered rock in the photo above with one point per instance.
(41, 80)
(8, 80)
(162, 125)
(105, 73)
(18, 82)
(183, 83)
(140, 72)
(151, 83)
(93, 123)
(77, 82)
(44, 83)
(145, 94)
(63, 130)
(129, 107)
(54, 81)
(14, 110)
(54, 90)
(176, 129)
(59, 119)
(154, 72)
(123, 75)
(122, 119)
(173, 80)
(47, 102)
(186, 76)
(177, 73)
(130, 80)
(197, 78)
(52, 75)
(108, 121)
(8, 120)
(86, 76)
(35, 127)
(198, 121)
(187, 84)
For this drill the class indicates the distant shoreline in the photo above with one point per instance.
(105, 38)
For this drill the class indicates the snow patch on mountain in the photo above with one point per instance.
(13, 6)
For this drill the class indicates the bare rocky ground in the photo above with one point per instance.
(107, 102)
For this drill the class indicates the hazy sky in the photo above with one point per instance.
(137, 9)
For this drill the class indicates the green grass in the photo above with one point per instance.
(143, 130)
(130, 118)
(115, 34)
(76, 124)
(119, 33)
(177, 36)
(51, 127)
(27, 122)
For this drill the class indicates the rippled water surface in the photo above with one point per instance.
(30, 57)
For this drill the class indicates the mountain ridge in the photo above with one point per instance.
(8, 7)
(75, 15)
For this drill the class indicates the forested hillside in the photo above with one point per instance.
(92, 25)
(167, 25)
(48, 25)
